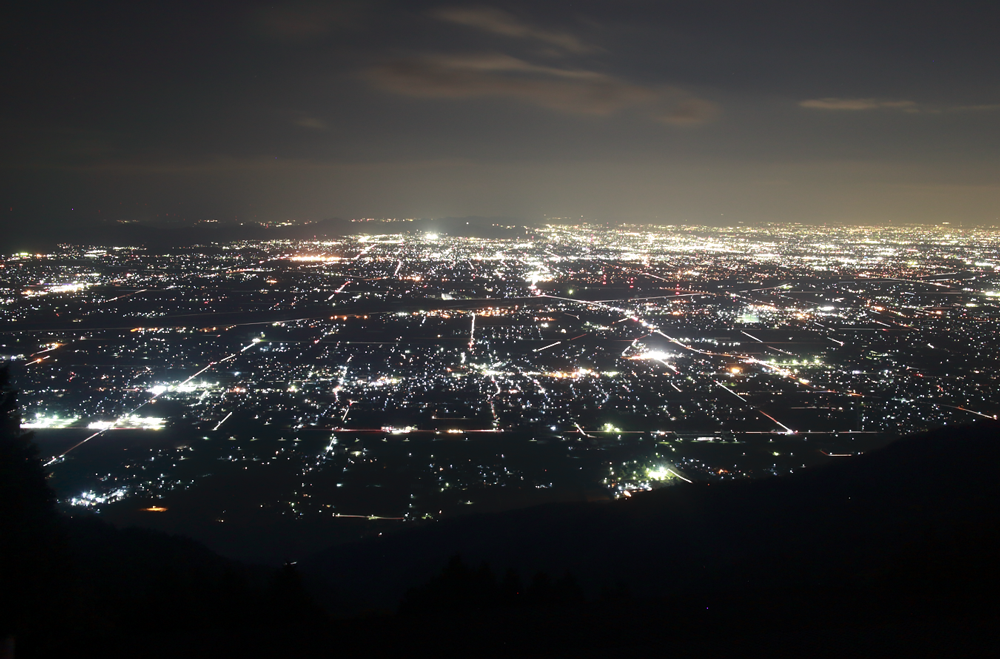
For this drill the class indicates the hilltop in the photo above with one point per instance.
(892, 551)
(903, 533)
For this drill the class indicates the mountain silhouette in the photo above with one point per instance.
(888, 553)
(927, 503)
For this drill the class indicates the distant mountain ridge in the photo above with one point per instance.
(184, 234)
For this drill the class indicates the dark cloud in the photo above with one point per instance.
(305, 21)
(497, 21)
(566, 88)
(415, 107)
(577, 91)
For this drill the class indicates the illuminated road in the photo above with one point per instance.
(116, 424)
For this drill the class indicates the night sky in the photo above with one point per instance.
(671, 112)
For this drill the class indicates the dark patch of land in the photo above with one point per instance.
(893, 552)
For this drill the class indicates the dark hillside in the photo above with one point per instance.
(81, 587)
(889, 553)
(927, 504)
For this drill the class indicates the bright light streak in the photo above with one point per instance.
(314, 258)
(219, 425)
(732, 392)
(131, 415)
(787, 429)
(54, 421)
(657, 355)
(551, 345)
(686, 480)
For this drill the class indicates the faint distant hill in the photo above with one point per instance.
(925, 507)
(71, 584)
(478, 227)
(178, 234)
(166, 234)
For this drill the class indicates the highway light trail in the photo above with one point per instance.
(790, 431)
(219, 424)
(745, 358)
(954, 407)
(700, 352)
(58, 457)
(49, 349)
(551, 345)
(114, 426)
(686, 480)
(731, 391)
(127, 295)
(670, 366)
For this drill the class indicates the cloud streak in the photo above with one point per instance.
(977, 108)
(496, 21)
(862, 104)
(856, 104)
(576, 91)
(230, 165)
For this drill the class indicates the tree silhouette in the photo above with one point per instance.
(546, 592)
(287, 600)
(31, 564)
(457, 588)
(460, 588)
(510, 589)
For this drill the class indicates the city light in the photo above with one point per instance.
(432, 372)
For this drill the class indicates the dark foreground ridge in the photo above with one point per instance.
(848, 523)
(889, 553)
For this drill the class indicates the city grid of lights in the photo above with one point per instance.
(622, 360)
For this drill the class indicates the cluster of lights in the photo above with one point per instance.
(130, 422)
(54, 421)
(72, 287)
(183, 388)
(91, 499)
(315, 258)
(656, 355)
